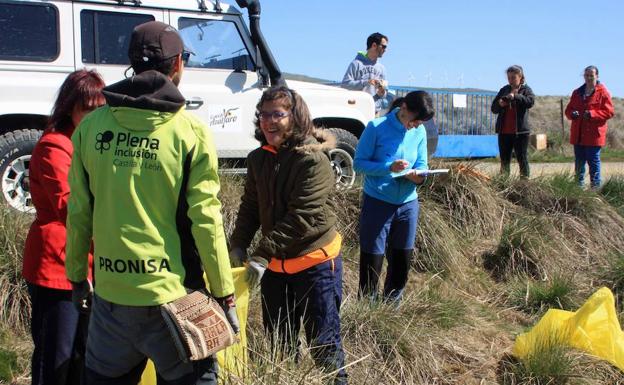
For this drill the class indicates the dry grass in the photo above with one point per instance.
(545, 117)
(548, 244)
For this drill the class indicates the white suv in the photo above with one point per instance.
(41, 41)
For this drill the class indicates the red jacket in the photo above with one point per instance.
(592, 131)
(44, 252)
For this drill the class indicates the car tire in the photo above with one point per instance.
(15, 149)
(342, 157)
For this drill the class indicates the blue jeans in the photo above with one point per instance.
(384, 223)
(591, 156)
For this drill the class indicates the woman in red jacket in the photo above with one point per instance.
(589, 109)
(54, 320)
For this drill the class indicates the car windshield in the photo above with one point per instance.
(215, 44)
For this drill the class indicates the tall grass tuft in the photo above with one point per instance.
(555, 194)
(537, 297)
(613, 192)
(523, 248)
(470, 204)
(439, 245)
(550, 363)
(14, 300)
(613, 273)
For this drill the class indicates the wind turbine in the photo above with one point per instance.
(410, 79)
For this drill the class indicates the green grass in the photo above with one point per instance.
(550, 363)
(613, 273)
(14, 301)
(537, 297)
(613, 192)
(8, 365)
(519, 250)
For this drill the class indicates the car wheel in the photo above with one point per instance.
(342, 157)
(15, 149)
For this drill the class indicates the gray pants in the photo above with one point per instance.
(120, 340)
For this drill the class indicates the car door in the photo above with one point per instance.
(219, 81)
(102, 36)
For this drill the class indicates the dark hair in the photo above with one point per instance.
(165, 66)
(417, 102)
(588, 68)
(302, 125)
(516, 69)
(375, 38)
(82, 88)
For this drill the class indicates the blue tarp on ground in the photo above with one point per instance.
(466, 146)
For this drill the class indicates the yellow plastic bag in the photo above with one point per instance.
(234, 358)
(593, 328)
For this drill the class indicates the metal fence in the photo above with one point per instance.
(460, 112)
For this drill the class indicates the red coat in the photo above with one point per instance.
(592, 131)
(44, 252)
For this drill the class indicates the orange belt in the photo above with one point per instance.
(313, 258)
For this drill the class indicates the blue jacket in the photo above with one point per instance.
(383, 141)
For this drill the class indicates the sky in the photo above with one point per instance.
(454, 43)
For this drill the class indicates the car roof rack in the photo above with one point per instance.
(204, 8)
(137, 3)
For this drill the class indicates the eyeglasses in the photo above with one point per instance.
(186, 55)
(274, 116)
(384, 46)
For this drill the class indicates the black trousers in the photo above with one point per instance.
(59, 335)
(399, 262)
(518, 143)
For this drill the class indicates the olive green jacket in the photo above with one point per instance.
(287, 195)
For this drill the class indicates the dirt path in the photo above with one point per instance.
(539, 169)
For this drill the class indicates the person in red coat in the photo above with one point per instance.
(57, 327)
(589, 109)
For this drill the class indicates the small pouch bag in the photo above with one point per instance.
(198, 325)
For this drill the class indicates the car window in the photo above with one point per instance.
(105, 36)
(28, 32)
(215, 44)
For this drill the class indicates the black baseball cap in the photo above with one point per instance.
(154, 42)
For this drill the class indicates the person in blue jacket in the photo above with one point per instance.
(388, 154)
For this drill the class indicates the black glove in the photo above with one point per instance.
(237, 257)
(586, 115)
(82, 295)
(229, 308)
(575, 114)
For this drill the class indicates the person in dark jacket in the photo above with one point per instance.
(58, 329)
(512, 104)
(589, 109)
(297, 260)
